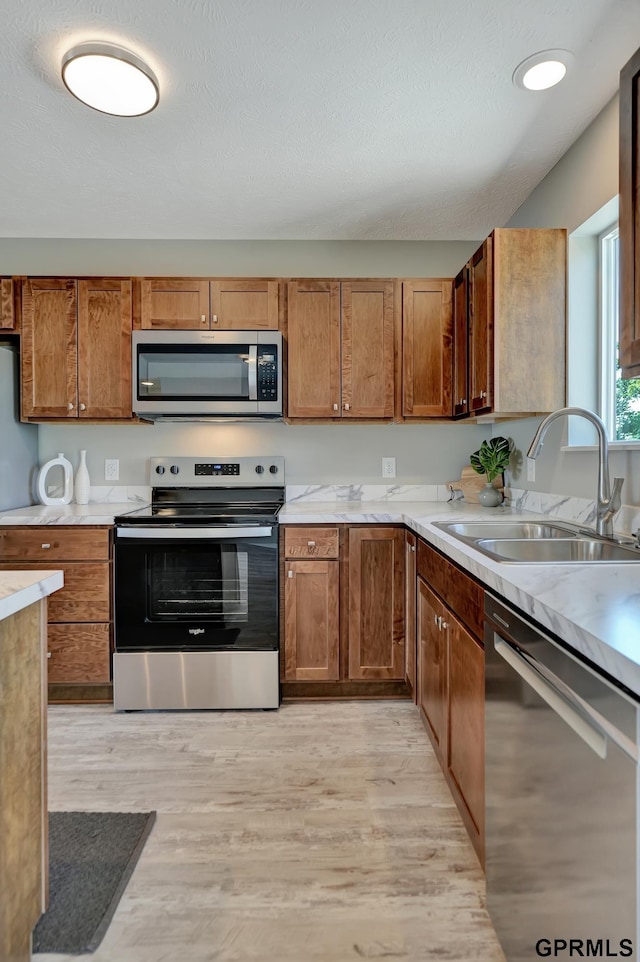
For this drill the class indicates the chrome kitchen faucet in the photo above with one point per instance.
(608, 502)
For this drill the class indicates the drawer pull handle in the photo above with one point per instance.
(46, 546)
(311, 544)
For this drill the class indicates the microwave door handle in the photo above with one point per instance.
(253, 372)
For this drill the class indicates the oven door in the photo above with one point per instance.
(196, 588)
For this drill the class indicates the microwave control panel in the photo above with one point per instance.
(267, 372)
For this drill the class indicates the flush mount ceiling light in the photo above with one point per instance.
(110, 79)
(542, 70)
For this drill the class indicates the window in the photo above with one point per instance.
(619, 399)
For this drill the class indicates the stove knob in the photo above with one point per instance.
(160, 469)
(273, 469)
(174, 469)
(259, 469)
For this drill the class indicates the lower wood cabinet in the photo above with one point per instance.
(79, 615)
(410, 659)
(312, 624)
(343, 602)
(451, 681)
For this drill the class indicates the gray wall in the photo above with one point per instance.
(18, 442)
(580, 184)
(344, 453)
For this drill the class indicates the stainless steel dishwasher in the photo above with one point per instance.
(561, 797)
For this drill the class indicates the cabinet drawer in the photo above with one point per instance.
(78, 653)
(311, 542)
(85, 595)
(53, 543)
(461, 594)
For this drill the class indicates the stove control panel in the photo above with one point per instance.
(216, 470)
(266, 471)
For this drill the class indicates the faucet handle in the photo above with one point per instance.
(615, 501)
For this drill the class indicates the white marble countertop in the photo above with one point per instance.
(95, 513)
(19, 589)
(594, 608)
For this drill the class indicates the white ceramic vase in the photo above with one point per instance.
(489, 496)
(82, 482)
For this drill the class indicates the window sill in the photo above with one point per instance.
(613, 446)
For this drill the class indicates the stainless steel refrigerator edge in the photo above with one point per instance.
(18, 442)
(561, 796)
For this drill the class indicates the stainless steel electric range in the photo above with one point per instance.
(196, 587)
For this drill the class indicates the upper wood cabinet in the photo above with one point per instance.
(179, 303)
(174, 304)
(629, 217)
(340, 337)
(244, 304)
(460, 387)
(427, 348)
(76, 348)
(516, 314)
(7, 307)
(376, 603)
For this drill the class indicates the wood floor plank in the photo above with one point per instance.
(321, 832)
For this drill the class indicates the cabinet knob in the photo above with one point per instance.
(347, 407)
(412, 547)
(214, 318)
(83, 407)
(335, 407)
(289, 573)
(45, 546)
(48, 654)
(463, 400)
(444, 624)
(203, 318)
(69, 406)
(436, 620)
(483, 394)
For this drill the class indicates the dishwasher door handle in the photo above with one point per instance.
(596, 741)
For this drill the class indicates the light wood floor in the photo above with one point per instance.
(320, 832)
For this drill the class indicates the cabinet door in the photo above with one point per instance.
(79, 653)
(461, 344)
(630, 218)
(104, 348)
(312, 635)
(174, 304)
(49, 348)
(367, 349)
(427, 353)
(376, 603)
(313, 336)
(410, 613)
(432, 666)
(7, 312)
(481, 328)
(465, 742)
(245, 304)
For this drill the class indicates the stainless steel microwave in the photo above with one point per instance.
(193, 375)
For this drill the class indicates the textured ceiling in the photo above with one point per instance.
(315, 119)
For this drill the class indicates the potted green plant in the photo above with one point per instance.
(491, 458)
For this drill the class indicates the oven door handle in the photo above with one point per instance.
(163, 533)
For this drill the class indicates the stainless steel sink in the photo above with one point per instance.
(472, 530)
(557, 551)
(538, 542)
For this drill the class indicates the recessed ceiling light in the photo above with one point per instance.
(542, 70)
(110, 79)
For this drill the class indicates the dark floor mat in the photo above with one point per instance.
(91, 858)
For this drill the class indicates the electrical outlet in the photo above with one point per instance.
(388, 467)
(531, 469)
(111, 469)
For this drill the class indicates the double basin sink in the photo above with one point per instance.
(533, 542)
